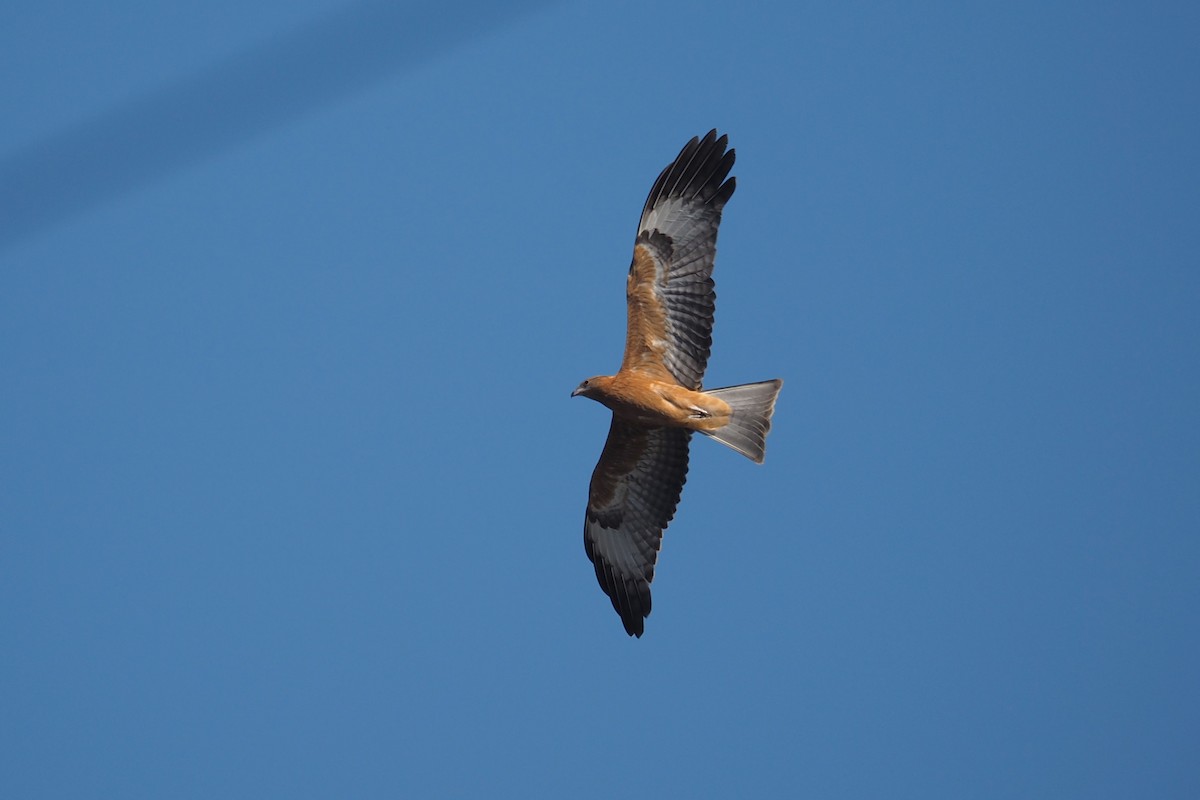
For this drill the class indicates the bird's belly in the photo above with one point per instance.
(670, 405)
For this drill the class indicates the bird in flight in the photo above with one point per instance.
(656, 397)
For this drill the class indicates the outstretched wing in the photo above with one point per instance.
(634, 491)
(670, 286)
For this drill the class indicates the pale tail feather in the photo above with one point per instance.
(753, 404)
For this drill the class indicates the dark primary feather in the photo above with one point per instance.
(634, 492)
(689, 175)
(679, 227)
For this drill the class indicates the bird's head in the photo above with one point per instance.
(590, 387)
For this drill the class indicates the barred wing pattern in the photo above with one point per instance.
(670, 286)
(633, 494)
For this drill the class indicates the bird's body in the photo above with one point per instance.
(642, 399)
(656, 397)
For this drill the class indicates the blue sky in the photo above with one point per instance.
(292, 296)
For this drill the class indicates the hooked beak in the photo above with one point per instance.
(577, 391)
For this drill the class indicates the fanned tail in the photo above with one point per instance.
(752, 404)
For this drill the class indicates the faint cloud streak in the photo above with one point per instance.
(139, 142)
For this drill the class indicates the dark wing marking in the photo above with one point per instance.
(634, 491)
(670, 287)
